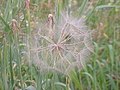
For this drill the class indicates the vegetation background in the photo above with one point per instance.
(101, 72)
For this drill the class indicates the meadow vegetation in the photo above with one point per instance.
(59, 44)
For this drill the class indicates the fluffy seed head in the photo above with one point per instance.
(61, 47)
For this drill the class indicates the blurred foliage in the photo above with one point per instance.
(101, 71)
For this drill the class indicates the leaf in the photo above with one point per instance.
(82, 8)
(61, 84)
(107, 6)
(88, 74)
(111, 82)
(7, 28)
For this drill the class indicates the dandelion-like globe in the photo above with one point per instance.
(61, 46)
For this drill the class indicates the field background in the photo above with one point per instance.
(101, 72)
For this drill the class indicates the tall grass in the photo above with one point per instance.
(19, 22)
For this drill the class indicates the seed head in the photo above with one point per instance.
(70, 47)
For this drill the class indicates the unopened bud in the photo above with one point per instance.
(27, 4)
(14, 25)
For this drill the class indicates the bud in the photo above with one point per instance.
(50, 24)
(27, 4)
(14, 26)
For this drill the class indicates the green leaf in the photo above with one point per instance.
(107, 6)
(82, 8)
(7, 27)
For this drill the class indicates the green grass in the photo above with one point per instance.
(101, 72)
